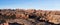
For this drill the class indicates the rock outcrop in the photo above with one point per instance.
(30, 17)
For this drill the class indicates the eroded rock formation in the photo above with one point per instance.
(30, 17)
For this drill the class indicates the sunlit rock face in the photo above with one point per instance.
(54, 19)
(30, 17)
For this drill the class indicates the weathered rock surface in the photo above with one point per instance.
(30, 16)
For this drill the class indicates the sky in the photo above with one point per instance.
(30, 4)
